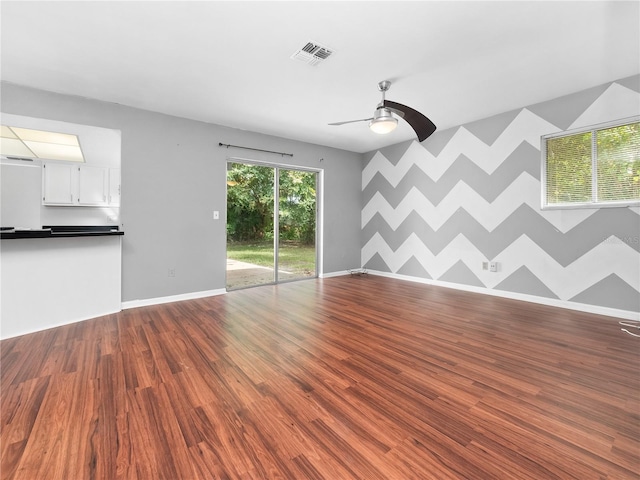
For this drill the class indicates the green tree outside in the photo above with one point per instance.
(570, 167)
(250, 204)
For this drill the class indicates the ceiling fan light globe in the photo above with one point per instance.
(383, 126)
(383, 122)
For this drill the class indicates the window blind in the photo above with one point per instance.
(593, 167)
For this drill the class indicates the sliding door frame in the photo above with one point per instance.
(276, 210)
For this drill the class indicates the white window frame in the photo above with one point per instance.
(594, 203)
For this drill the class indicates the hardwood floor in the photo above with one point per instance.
(342, 378)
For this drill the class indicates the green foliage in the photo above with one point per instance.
(297, 208)
(569, 169)
(619, 163)
(250, 204)
(570, 174)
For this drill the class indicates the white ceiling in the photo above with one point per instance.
(229, 62)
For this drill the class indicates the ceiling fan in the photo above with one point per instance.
(384, 122)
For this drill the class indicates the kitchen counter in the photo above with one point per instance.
(57, 231)
(45, 283)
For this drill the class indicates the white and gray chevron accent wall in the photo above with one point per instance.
(435, 211)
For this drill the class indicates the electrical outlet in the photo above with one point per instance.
(493, 266)
(171, 272)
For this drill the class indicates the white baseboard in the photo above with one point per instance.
(26, 331)
(171, 298)
(581, 307)
(339, 273)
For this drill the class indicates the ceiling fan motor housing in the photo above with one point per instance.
(382, 113)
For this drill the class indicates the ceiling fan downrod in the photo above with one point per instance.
(383, 86)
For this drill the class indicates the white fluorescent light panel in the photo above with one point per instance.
(25, 142)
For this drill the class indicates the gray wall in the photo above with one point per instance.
(174, 177)
(437, 210)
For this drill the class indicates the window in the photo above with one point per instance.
(599, 166)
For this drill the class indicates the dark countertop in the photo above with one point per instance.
(57, 231)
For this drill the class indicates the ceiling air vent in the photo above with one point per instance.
(312, 53)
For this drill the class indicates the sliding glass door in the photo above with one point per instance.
(271, 224)
(296, 224)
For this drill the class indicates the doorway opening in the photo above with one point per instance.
(271, 224)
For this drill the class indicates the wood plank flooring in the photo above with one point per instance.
(342, 378)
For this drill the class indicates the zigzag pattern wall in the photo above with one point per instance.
(437, 210)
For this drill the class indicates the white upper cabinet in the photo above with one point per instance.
(84, 185)
(59, 182)
(92, 185)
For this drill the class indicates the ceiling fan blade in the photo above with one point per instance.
(421, 124)
(352, 121)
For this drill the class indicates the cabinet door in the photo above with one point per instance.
(92, 185)
(58, 184)
(114, 187)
